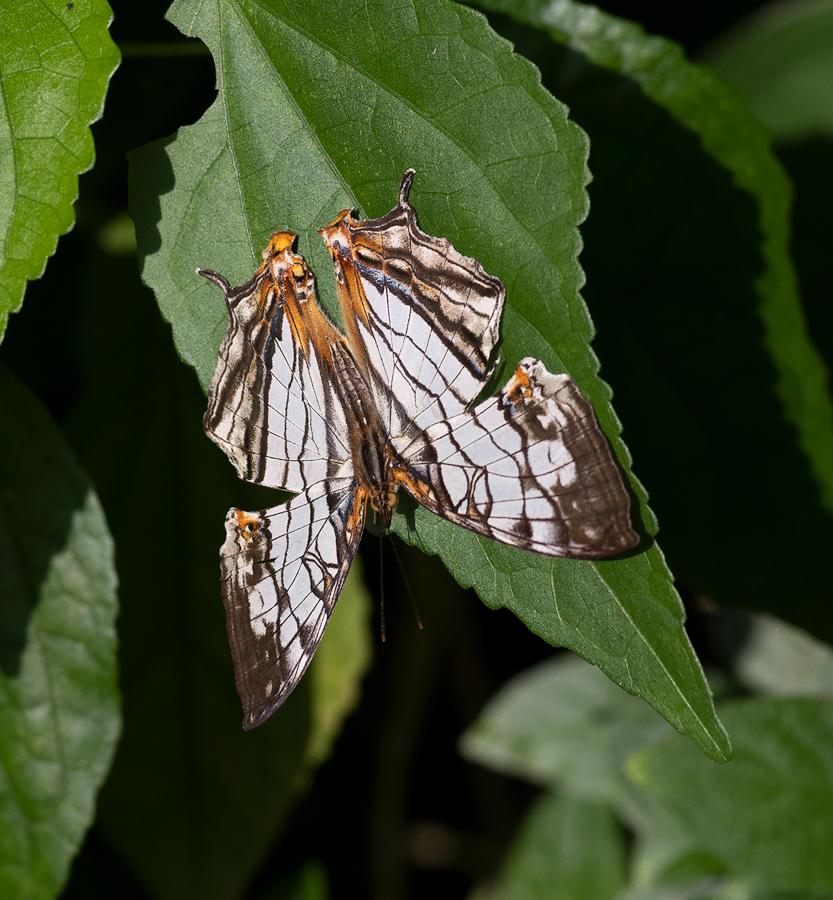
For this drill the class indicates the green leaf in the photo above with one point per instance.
(779, 659)
(565, 850)
(563, 724)
(56, 60)
(781, 60)
(340, 110)
(769, 815)
(59, 700)
(291, 159)
(694, 295)
(624, 616)
(688, 875)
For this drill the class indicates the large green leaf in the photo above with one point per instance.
(765, 820)
(565, 850)
(769, 815)
(323, 107)
(564, 725)
(59, 701)
(700, 328)
(56, 60)
(778, 658)
(193, 802)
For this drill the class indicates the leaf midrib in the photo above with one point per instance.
(361, 72)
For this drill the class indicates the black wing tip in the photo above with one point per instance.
(251, 722)
(616, 543)
(633, 540)
(405, 187)
(621, 542)
(257, 709)
(256, 714)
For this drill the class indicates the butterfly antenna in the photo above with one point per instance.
(407, 585)
(382, 580)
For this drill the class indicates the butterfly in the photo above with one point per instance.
(347, 420)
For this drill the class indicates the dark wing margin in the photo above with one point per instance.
(282, 572)
(529, 467)
(422, 319)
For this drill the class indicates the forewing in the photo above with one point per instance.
(272, 406)
(529, 467)
(283, 570)
(421, 318)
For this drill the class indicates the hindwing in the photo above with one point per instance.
(283, 570)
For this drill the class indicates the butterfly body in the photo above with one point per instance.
(372, 455)
(346, 420)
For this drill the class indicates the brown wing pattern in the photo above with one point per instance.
(342, 422)
(272, 406)
(529, 467)
(422, 319)
(283, 570)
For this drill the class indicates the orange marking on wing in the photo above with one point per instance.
(356, 518)
(417, 489)
(248, 524)
(280, 241)
(339, 238)
(311, 330)
(518, 388)
(265, 274)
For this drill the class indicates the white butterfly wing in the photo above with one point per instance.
(422, 319)
(272, 406)
(283, 570)
(529, 467)
(297, 406)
